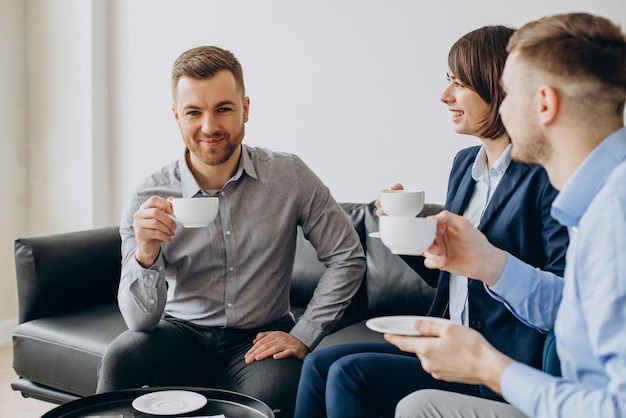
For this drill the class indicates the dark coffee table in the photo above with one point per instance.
(119, 404)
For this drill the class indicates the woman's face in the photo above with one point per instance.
(469, 110)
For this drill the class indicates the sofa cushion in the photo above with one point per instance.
(63, 351)
(355, 333)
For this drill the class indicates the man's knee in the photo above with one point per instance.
(346, 372)
(420, 404)
(161, 357)
(274, 382)
(316, 364)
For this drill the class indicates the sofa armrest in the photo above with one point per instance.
(64, 272)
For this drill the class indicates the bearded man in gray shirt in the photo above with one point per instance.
(210, 306)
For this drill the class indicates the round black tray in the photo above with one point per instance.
(119, 404)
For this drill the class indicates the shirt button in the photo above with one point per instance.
(151, 276)
(227, 232)
(151, 301)
(477, 323)
(230, 305)
(160, 268)
(223, 194)
(231, 269)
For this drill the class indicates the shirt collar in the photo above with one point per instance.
(497, 169)
(190, 187)
(580, 189)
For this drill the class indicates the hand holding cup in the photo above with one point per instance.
(402, 202)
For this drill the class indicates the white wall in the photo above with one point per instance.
(352, 86)
(67, 117)
(13, 153)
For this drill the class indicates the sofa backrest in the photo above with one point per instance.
(392, 287)
(389, 287)
(65, 272)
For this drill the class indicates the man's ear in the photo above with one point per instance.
(549, 104)
(246, 109)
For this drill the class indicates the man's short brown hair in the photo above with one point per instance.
(577, 48)
(203, 62)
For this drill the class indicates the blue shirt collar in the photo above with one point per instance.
(497, 169)
(572, 202)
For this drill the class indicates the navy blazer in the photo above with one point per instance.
(517, 220)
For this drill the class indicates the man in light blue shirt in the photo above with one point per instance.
(565, 80)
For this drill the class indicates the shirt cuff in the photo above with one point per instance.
(508, 287)
(307, 332)
(149, 276)
(519, 384)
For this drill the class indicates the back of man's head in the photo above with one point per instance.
(584, 56)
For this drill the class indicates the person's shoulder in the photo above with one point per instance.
(468, 152)
(466, 156)
(166, 175)
(266, 154)
(266, 160)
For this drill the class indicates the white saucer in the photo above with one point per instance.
(374, 234)
(169, 402)
(400, 324)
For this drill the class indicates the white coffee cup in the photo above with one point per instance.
(402, 202)
(195, 212)
(407, 235)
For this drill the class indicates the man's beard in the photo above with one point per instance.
(536, 152)
(217, 157)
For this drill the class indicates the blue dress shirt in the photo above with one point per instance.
(587, 306)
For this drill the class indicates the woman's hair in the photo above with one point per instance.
(477, 60)
(203, 62)
(583, 51)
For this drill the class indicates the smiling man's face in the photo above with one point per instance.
(211, 114)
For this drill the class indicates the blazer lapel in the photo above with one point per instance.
(463, 193)
(508, 185)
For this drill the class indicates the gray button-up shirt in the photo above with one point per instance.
(237, 272)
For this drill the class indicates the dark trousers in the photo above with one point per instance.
(362, 380)
(178, 353)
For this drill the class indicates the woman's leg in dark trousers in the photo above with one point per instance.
(369, 385)
(311, 397)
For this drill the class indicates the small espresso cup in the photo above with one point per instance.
(195, 212)
(402, 202)
(407, 235)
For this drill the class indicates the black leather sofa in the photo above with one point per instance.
(67, 285)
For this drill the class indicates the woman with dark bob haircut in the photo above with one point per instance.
(508, 201)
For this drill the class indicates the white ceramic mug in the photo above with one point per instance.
(407, 235)
(402, 202)
(195, 212)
